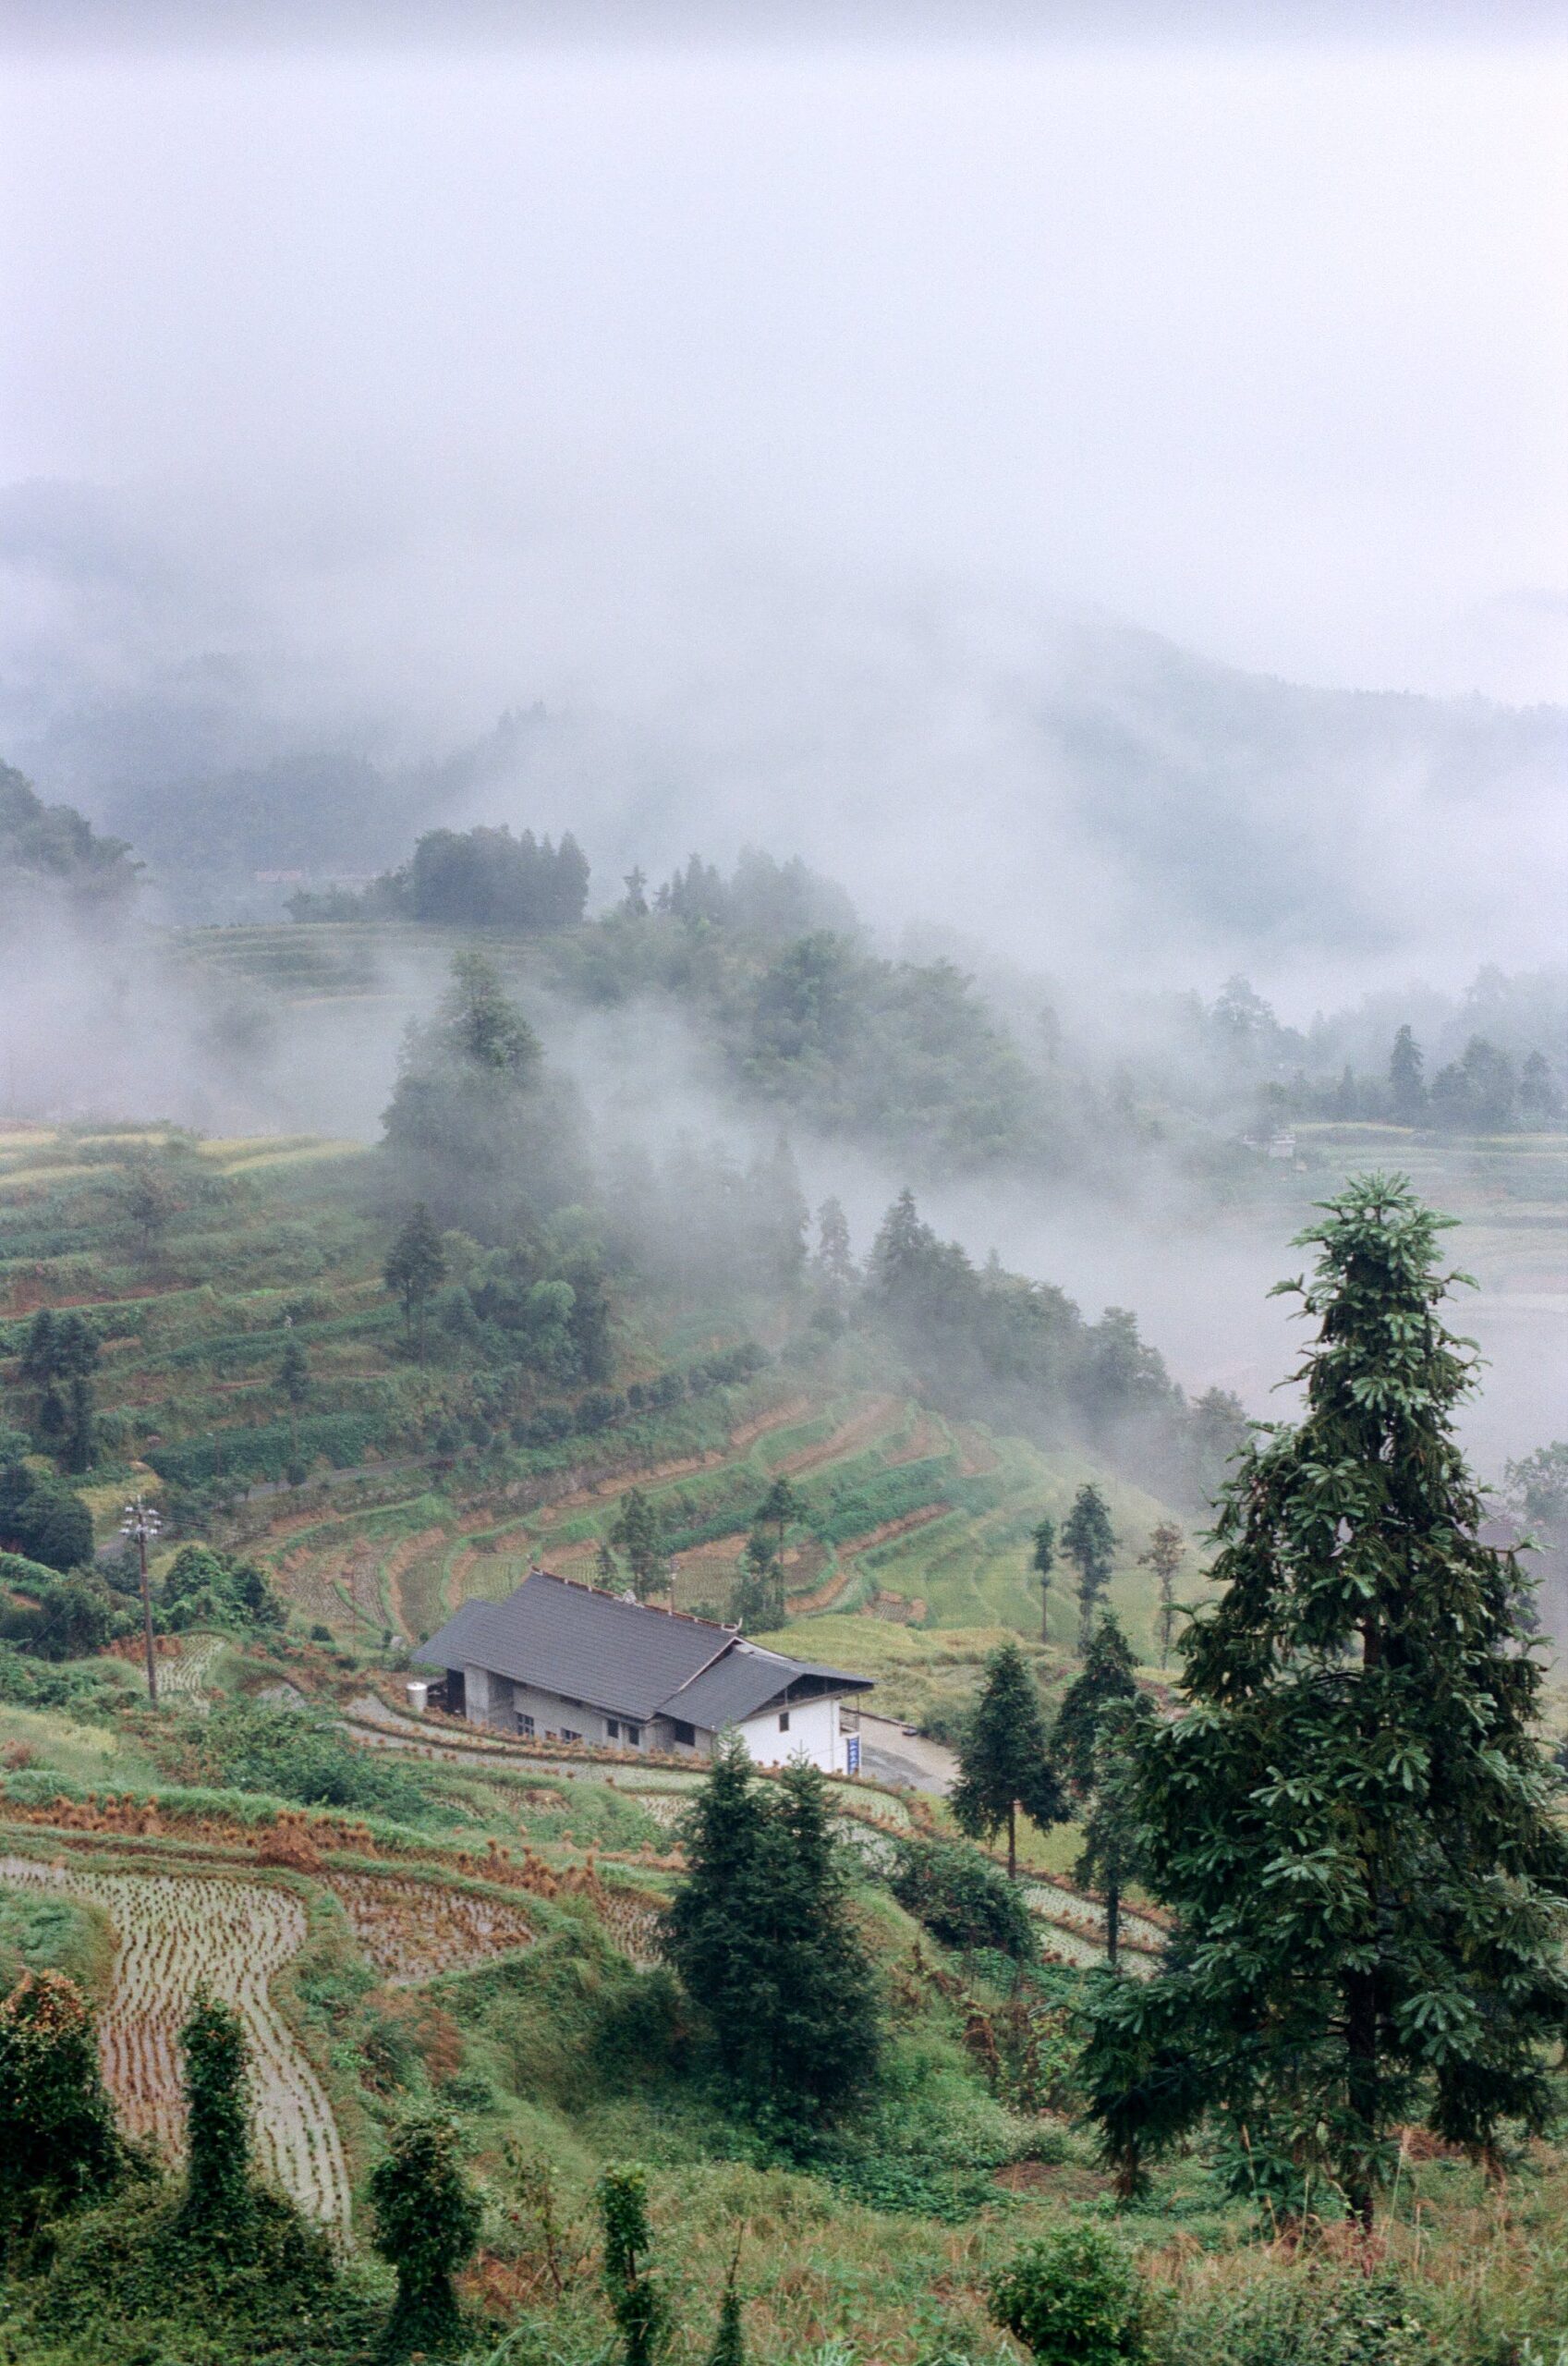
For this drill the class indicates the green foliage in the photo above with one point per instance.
(60, 1618)
(475, 1129)
(267, 1451)
(758, 1603)
(207, 1588)
(637, 2298)
(960, 1897)
(53, 842)
(638, 1535)
(1354, 1820)
(1114, 1851)
(41, 1519)
(1073, 2298)
(760, 1933)
(729, 2339)
(58, 2143)
(1331, 2316)
(1019, 1354)
(1167, 1550)
(218, 2210)
(1106, 1676)
(1043, 1561)
(299, 1754)
(25, 1685)
(427, 2217)
(415, 1264)
(1004, 1757)
(1089, 1541)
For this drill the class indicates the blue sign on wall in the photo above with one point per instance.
(852, 1745)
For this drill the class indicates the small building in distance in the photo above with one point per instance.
(559, 1661)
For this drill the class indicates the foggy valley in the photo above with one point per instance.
(784, 1186)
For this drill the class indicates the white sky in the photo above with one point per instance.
(1263, 346)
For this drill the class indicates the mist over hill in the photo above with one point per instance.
(1063, 789)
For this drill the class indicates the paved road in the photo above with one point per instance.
(911, 1762)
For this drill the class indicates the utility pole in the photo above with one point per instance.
(140, 1522)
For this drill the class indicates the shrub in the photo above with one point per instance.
(961, 1897)
(299, 1754)
(636, 2299)
(43, 1519)
(218, 2194)
(59, 2141)
(1073, 2298)
(427, 2221)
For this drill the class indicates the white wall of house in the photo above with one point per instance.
(812, 1732)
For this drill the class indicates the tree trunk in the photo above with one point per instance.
(1012, 1840)
(1045, 1610)
(1112, 1920)
(1361, 2090)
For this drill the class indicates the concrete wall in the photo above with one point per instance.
(503, 1703)
(813, 1732)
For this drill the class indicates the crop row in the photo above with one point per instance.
(177, 1933)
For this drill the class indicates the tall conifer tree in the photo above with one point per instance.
(1005, 1759)
(1354, 1820)
(1090, 1540)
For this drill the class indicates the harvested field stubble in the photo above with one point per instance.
(177, 1932)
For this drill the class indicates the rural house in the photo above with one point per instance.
(560, 1661)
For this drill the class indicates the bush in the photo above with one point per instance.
(1330, 2315)
(1073, 2298)
(961, 1897)
(299, 1754)
(43, 1519)
(26, 1684)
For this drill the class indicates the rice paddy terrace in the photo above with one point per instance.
(411, 1501)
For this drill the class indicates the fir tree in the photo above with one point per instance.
(760, 1933)
(834, 1263)
(756, 1605)
(1089, 1541)
(427, 2222)
(1105, 1677)
(1043, 1561)
(1354, 1821)
(294, 1374)
(638, 1536)
(1004, 1758)
(1167, 1550)
(1112, 1851)
(416, 1264)
(782, 1505)
(1407, 1093)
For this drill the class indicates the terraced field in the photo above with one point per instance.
(177, 1933)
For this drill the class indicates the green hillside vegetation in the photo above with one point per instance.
(463, 1935)
(53, 843)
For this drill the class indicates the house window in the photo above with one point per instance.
(633, 1735)
(567, 1735)
(525, 1724)
(685, 1734)
(784, 1721)
(611, 1729)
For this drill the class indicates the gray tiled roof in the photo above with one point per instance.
(745, 1680)
(572, 1640)
(619, 1655)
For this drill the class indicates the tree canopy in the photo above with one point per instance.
(1352, 1819)
(1004, 1757)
